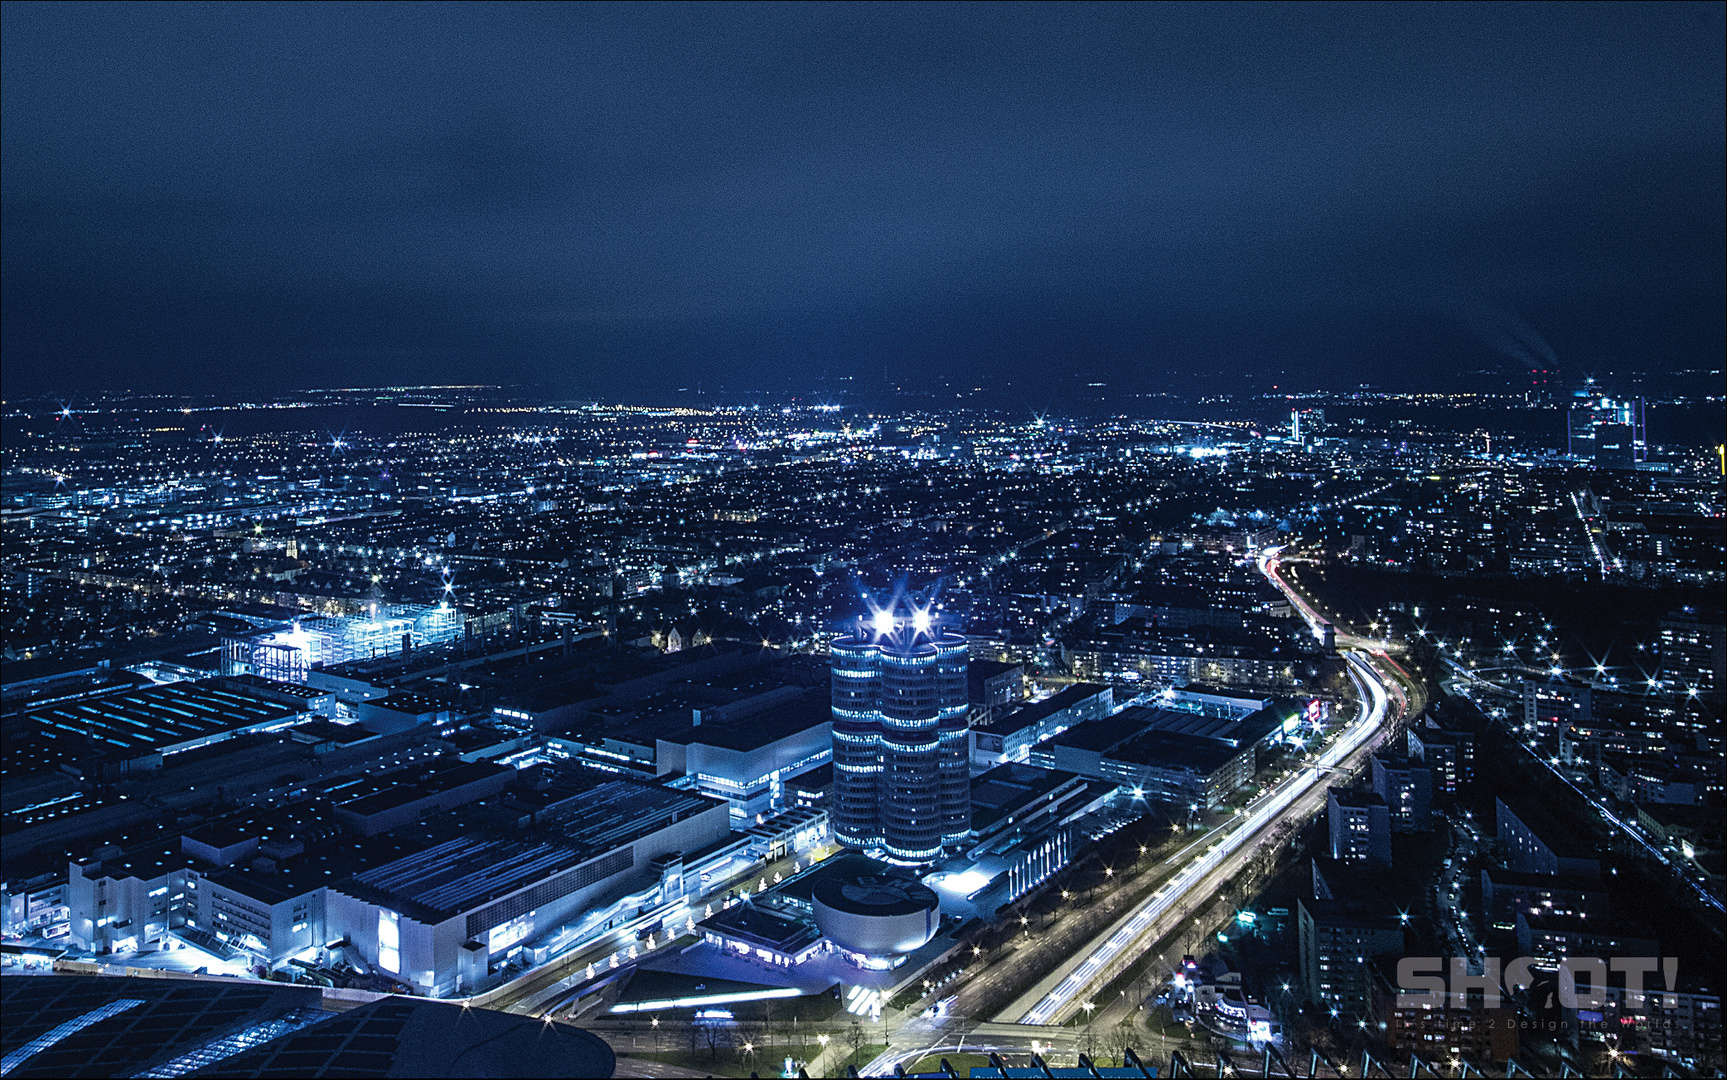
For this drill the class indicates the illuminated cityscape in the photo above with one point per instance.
(799, 614)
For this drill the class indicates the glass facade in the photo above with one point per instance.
(902, 783)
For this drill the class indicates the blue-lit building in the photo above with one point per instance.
(286, 653)
(443, 918)
(901, 738)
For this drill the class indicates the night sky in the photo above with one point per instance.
(625, 200)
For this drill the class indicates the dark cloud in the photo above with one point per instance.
(612, 198)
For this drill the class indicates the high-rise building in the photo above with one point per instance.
(1554, 705)
(901, 731)
(1337, 939)
(1360, 826)
(1693, 655)
(1406, 785)
(1608, 432)
(857, 731)
(1306, 423)
(1449, 753)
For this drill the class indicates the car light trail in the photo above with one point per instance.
(1375, 696)
(1168, 898)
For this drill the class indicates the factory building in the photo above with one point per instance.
(1028, 823)
(441, 918)
(1010, 735)
(125, 899)
(1168, 755)
(288, 652)
(745, 751)
(126, 733)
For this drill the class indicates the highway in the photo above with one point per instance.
(1196, 883)
(1297, 797)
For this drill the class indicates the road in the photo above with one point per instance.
(1448, 904)
(1384, 699)
(1296, 797)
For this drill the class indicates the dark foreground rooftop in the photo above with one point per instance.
(77, 1025)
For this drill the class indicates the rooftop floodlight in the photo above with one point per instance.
(883, 623)
(920, 620)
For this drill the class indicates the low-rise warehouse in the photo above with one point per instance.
(439, 918)
(134, 731)
(1011, 735)
(1167, 755)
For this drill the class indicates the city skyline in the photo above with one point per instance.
(465, 695)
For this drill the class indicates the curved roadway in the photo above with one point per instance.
(1298, 797)
(1195, 884)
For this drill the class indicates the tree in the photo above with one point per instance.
(1140, 986)
(695, 1036)
(855, 1038)
(747, 1043)
(1119, 1038)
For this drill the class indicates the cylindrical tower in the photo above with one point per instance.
(954, 739)
(857, 749)
(911, 776)
(902, 777)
